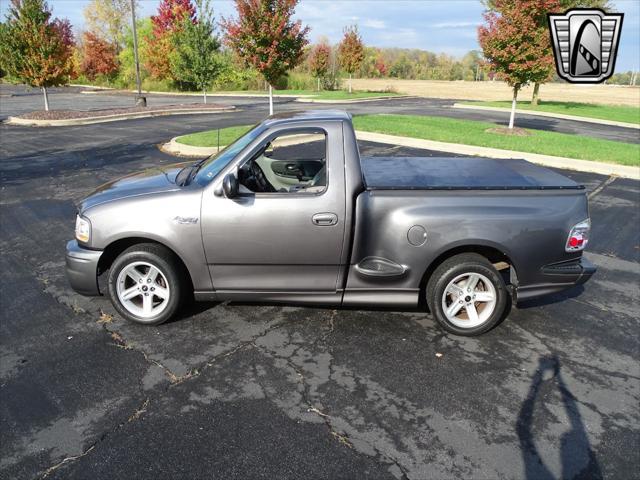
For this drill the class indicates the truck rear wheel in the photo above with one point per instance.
(145, 285)
(467, 295)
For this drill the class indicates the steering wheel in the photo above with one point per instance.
(262, 183)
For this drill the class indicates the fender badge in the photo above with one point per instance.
(185, 220)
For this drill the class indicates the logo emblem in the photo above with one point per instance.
(585, 44)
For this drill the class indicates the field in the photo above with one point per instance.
(493, 91)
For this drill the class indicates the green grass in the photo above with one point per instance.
(605, 112)
(465, 132)
(473, 133)
(210, 137)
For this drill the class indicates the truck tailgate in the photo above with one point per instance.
(459, 173)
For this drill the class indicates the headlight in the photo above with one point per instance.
(83, 229)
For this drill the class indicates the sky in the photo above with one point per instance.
(434, 25)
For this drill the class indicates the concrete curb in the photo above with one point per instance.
(549, 114)
(546, 160)
(172, 147)
(355, 100)
(112, 118)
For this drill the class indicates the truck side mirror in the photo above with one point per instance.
(230, 185)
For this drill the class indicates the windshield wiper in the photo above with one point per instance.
(192, 169)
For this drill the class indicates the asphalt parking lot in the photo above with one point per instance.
(259, 391)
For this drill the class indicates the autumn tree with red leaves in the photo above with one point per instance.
(265, 37)
(512, 41)
(351, 51)
(159, 47)
(36, 48)
(380, 66)
(98, 57)
(320, 61)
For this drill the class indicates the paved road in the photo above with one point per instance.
(25, 100)
(255, 391)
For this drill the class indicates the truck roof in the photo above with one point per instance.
(307, 115)
(459, 173)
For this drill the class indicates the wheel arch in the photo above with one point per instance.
(492, 252)
(115, 248)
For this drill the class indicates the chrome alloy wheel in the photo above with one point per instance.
(469, 300)
(143, 289)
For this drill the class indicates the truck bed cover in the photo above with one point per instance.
(459, 173)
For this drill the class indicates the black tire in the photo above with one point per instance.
(166, 263)
(448, 271)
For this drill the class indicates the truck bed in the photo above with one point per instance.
(459, 173)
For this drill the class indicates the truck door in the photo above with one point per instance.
(284, 231)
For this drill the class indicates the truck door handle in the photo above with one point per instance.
(324, 219)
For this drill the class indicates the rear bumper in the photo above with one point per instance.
(82, 268)
(558, 277)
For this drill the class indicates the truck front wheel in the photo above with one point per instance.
(145, 285)
(467, 295)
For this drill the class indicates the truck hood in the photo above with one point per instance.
(151, 180)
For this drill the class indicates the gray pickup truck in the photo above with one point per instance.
(290, 213)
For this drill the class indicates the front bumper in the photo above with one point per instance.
(82, 268)
(558, 277)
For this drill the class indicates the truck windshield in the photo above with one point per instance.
(214, 164)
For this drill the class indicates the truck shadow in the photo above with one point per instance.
(551, 299)
(576, 455)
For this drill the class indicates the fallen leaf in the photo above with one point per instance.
(105, 318)
(438, 355)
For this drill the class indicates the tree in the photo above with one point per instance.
(511, 42)
(265, 37)
(320, 61)
(544, 48)
(126, 57)
(98, 58)
(159, 45)
(109, 19)
(194, 59)
(380, 65)
(351, 51)
(35, 48)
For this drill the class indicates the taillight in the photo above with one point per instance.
(578, 236)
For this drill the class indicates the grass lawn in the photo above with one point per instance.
(473, 133)
(209, 138)
(605, 112)
(467, 132)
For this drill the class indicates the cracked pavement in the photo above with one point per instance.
(263, 391)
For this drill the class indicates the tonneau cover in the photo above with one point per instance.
(459, 173)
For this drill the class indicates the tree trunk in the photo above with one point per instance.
(270, 100)
(513, 107)
(46, 98)
(349, 83)
(318, 83)
(204, 94)
(536, 94)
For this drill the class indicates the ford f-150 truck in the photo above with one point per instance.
(290, 212)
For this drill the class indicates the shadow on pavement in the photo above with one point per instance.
(574, 444)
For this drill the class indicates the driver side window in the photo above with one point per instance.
(293, 162)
